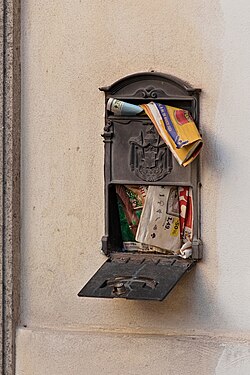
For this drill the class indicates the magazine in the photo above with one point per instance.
(178, 130)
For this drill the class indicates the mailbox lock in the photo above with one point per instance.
(119, 288)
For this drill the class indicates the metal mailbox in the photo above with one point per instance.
(135, 155)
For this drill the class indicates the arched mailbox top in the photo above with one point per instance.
(150, 85)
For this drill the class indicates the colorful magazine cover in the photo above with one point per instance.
(178, 130)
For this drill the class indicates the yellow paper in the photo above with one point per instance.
(178, 130)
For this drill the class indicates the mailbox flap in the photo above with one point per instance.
(136, 276)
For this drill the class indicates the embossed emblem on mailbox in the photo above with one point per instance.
(150, 158)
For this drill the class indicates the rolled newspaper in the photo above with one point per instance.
(121, 108)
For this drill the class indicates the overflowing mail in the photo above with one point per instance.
(159, 222)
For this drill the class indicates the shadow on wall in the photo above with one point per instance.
(191, 302)
(194, 300)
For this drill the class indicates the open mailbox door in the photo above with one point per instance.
(136, 276)
(135, 155)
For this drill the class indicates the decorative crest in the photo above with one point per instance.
(150, 158)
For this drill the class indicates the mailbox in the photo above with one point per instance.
(136, 155)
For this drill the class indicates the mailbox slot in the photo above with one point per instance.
(136, 155)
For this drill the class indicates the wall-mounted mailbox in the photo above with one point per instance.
(135, 155)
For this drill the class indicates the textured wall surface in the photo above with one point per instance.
(69, 49)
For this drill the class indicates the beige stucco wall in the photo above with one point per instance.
(69, 49)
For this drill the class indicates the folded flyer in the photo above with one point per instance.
(177, 129)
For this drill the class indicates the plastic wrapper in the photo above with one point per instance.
(130, 199)
(186, 213)
(159, 224)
